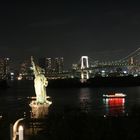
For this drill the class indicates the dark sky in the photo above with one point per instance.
(101, 29)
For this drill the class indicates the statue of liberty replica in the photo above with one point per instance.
(40, 84)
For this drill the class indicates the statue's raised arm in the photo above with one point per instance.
(34, 66)
(32, 61)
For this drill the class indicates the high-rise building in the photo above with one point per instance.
(48, 65)
(58, 64)
(4, 67)
(25, 71)
(52, 65)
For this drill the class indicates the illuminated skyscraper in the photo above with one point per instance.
(58, 64)
(48, 65)
(4, 67)
(52, 65)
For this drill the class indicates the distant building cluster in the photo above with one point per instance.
(25, 71)
(53, 68)
(52, 65)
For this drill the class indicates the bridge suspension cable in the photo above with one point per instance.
(131, 55)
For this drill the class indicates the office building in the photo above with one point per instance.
(4, 67)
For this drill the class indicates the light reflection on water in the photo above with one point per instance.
(34, 125)
(87, 100)
(114, 106)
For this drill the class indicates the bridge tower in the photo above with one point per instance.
(131, 61)
(84, 68)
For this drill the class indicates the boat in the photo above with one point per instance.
(115, 95)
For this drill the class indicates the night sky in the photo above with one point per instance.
(103, 30)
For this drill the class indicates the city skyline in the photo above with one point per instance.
(102, 30)
(131, 57)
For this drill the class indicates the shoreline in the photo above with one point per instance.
(127, 81)
(96, 82)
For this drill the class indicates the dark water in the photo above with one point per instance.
(14, 103)
(84, 99)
